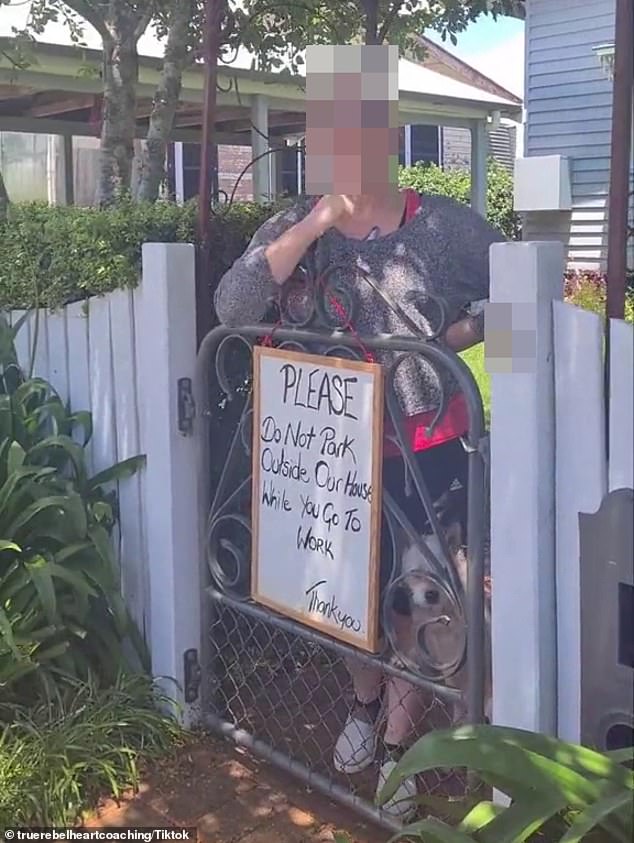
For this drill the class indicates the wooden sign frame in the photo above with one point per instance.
(371, 641)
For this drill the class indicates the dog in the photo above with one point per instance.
(437, 631)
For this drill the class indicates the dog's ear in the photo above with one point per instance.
(454, 536)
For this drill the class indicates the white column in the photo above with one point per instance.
(479, 156)
(408, 145)
(56, 162)
(525, 280)
(179, 173)
(259, 145)
(166, 342)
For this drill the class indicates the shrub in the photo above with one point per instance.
(51, 256)
(456, 183)
(57, 760)
(61, 614)
(565, 790)
(587, 289)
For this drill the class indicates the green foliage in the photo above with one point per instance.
(56, 760)
(50, 256)
(566, 790)
(277, 31)
(588, 290)
(456, 183)
(61, 613)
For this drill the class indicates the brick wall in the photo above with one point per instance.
(231, 161)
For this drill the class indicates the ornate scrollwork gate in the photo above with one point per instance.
(269, 683)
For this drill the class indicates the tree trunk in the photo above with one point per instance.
(4, 200)
(120, 74)
(371, 21)
(165, 101)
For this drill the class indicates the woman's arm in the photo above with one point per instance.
(471, 239)
(246, 287)
(271, 257)
(286, 252)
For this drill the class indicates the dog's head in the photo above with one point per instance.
(416, 570)
(435, 633)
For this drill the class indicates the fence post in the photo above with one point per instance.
(525, 280)
(165, 316)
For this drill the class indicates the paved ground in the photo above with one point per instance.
(232, 798)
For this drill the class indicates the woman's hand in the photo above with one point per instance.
(328, 211)
(284, 254)
(465, 333)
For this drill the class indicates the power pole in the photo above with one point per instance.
(204, 303)
(620, 159)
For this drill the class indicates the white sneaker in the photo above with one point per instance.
(403, 804)
(356, 746)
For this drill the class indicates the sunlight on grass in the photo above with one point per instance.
(474, 358)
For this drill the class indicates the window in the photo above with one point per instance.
(419, 143)
(425, 146)
(290, 168)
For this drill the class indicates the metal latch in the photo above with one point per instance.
(192, 675)
(186, 406)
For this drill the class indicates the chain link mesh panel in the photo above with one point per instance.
(295, 694)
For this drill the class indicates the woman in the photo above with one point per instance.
(408, 246)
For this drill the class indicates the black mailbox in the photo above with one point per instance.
(607, 623)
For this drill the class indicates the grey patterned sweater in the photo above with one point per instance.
(442, 250)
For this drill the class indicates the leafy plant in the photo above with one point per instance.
(588, 289)
(61, 613)
(550, 783)
(456, 183)
(57, 759)
(51, 256)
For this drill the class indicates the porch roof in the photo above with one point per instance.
(59, 91)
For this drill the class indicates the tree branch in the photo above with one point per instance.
(145, 19)
(88, 12)
(389, 20)
(289, 8)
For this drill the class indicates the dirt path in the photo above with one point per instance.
(231, 797)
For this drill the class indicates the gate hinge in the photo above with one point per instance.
(192, 675)
(186, 406)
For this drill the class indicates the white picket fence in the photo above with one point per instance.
(549, 463)
(120, 357)
(88, 352)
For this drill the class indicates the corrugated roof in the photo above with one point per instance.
(414, 78)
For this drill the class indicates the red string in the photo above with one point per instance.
(341, 313)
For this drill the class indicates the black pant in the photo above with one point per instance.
(440, 467)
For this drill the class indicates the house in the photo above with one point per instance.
(49, 124)
(444, 145)
(562, 185)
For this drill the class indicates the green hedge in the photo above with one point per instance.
(53, 256)
(429, 178)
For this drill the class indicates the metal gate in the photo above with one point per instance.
(269, 683)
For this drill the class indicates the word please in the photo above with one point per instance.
(318, 390)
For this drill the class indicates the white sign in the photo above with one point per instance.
(316, 498)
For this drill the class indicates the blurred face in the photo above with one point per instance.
(351, 119)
